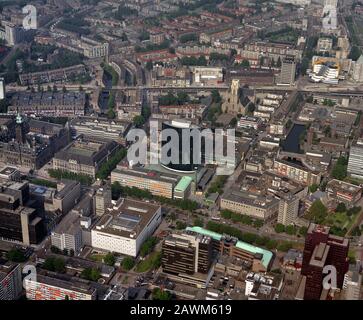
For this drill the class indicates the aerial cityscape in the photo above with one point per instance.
(181, 150)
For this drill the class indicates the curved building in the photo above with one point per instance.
(325, 72)
(179, 126)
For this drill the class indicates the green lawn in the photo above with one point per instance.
(151, 262)
(97, 257)
(340, 220)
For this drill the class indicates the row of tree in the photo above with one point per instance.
(251, 238)
(108, 166)
(118, 190)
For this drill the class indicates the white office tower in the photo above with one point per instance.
(288, 70)
(352, 283)
(330, 19)
(288, 210)
(358, 70)
(355, 163)
(2, 89)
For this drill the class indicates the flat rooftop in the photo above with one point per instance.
(262, 202)
(183, 184)
(148, 174)
(127, 219)
(266, 255)
(71, 284)
(320, 255)
(8, 170)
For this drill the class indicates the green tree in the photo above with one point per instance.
(138, 121)
(303, 231)
(54, 249)
(159, 294)
(180, 225)
(148, 246)
(116, 190)
(59, 265)
(354, 53)
(279, 228)
(91, 274)
(106, 168)
(109, 259)
(127, 263)
(290, 229)
(341, 207)
(314, 187)
(216, 97)
(15, 255)
(198, 222)
(317, 212)
(54, 264)
(111, 114)
(284, 246)
(340, 169)
(245, 63)
(271, 244)
(149, 65)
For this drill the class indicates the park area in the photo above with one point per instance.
(340, 220)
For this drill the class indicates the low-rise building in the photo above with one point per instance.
(261, 207)
(159, 184)
(249, 122)
(84, 156)
(100, 128)
(345, 192)
(52, 76)
(207, 75)
(263, 286)
(51, 104)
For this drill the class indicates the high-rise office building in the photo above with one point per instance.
(288, 210)
(185, 155)
(355, 162)
(352, 283)
(187, 252)
(288, 70)
(2, 89)
(323, 249)
(20, 218)
(103, 200)
(10, 281)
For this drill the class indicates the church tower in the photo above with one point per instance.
(20, 129)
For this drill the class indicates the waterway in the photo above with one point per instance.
(291, 144)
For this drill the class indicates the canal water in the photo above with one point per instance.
(291, 144)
